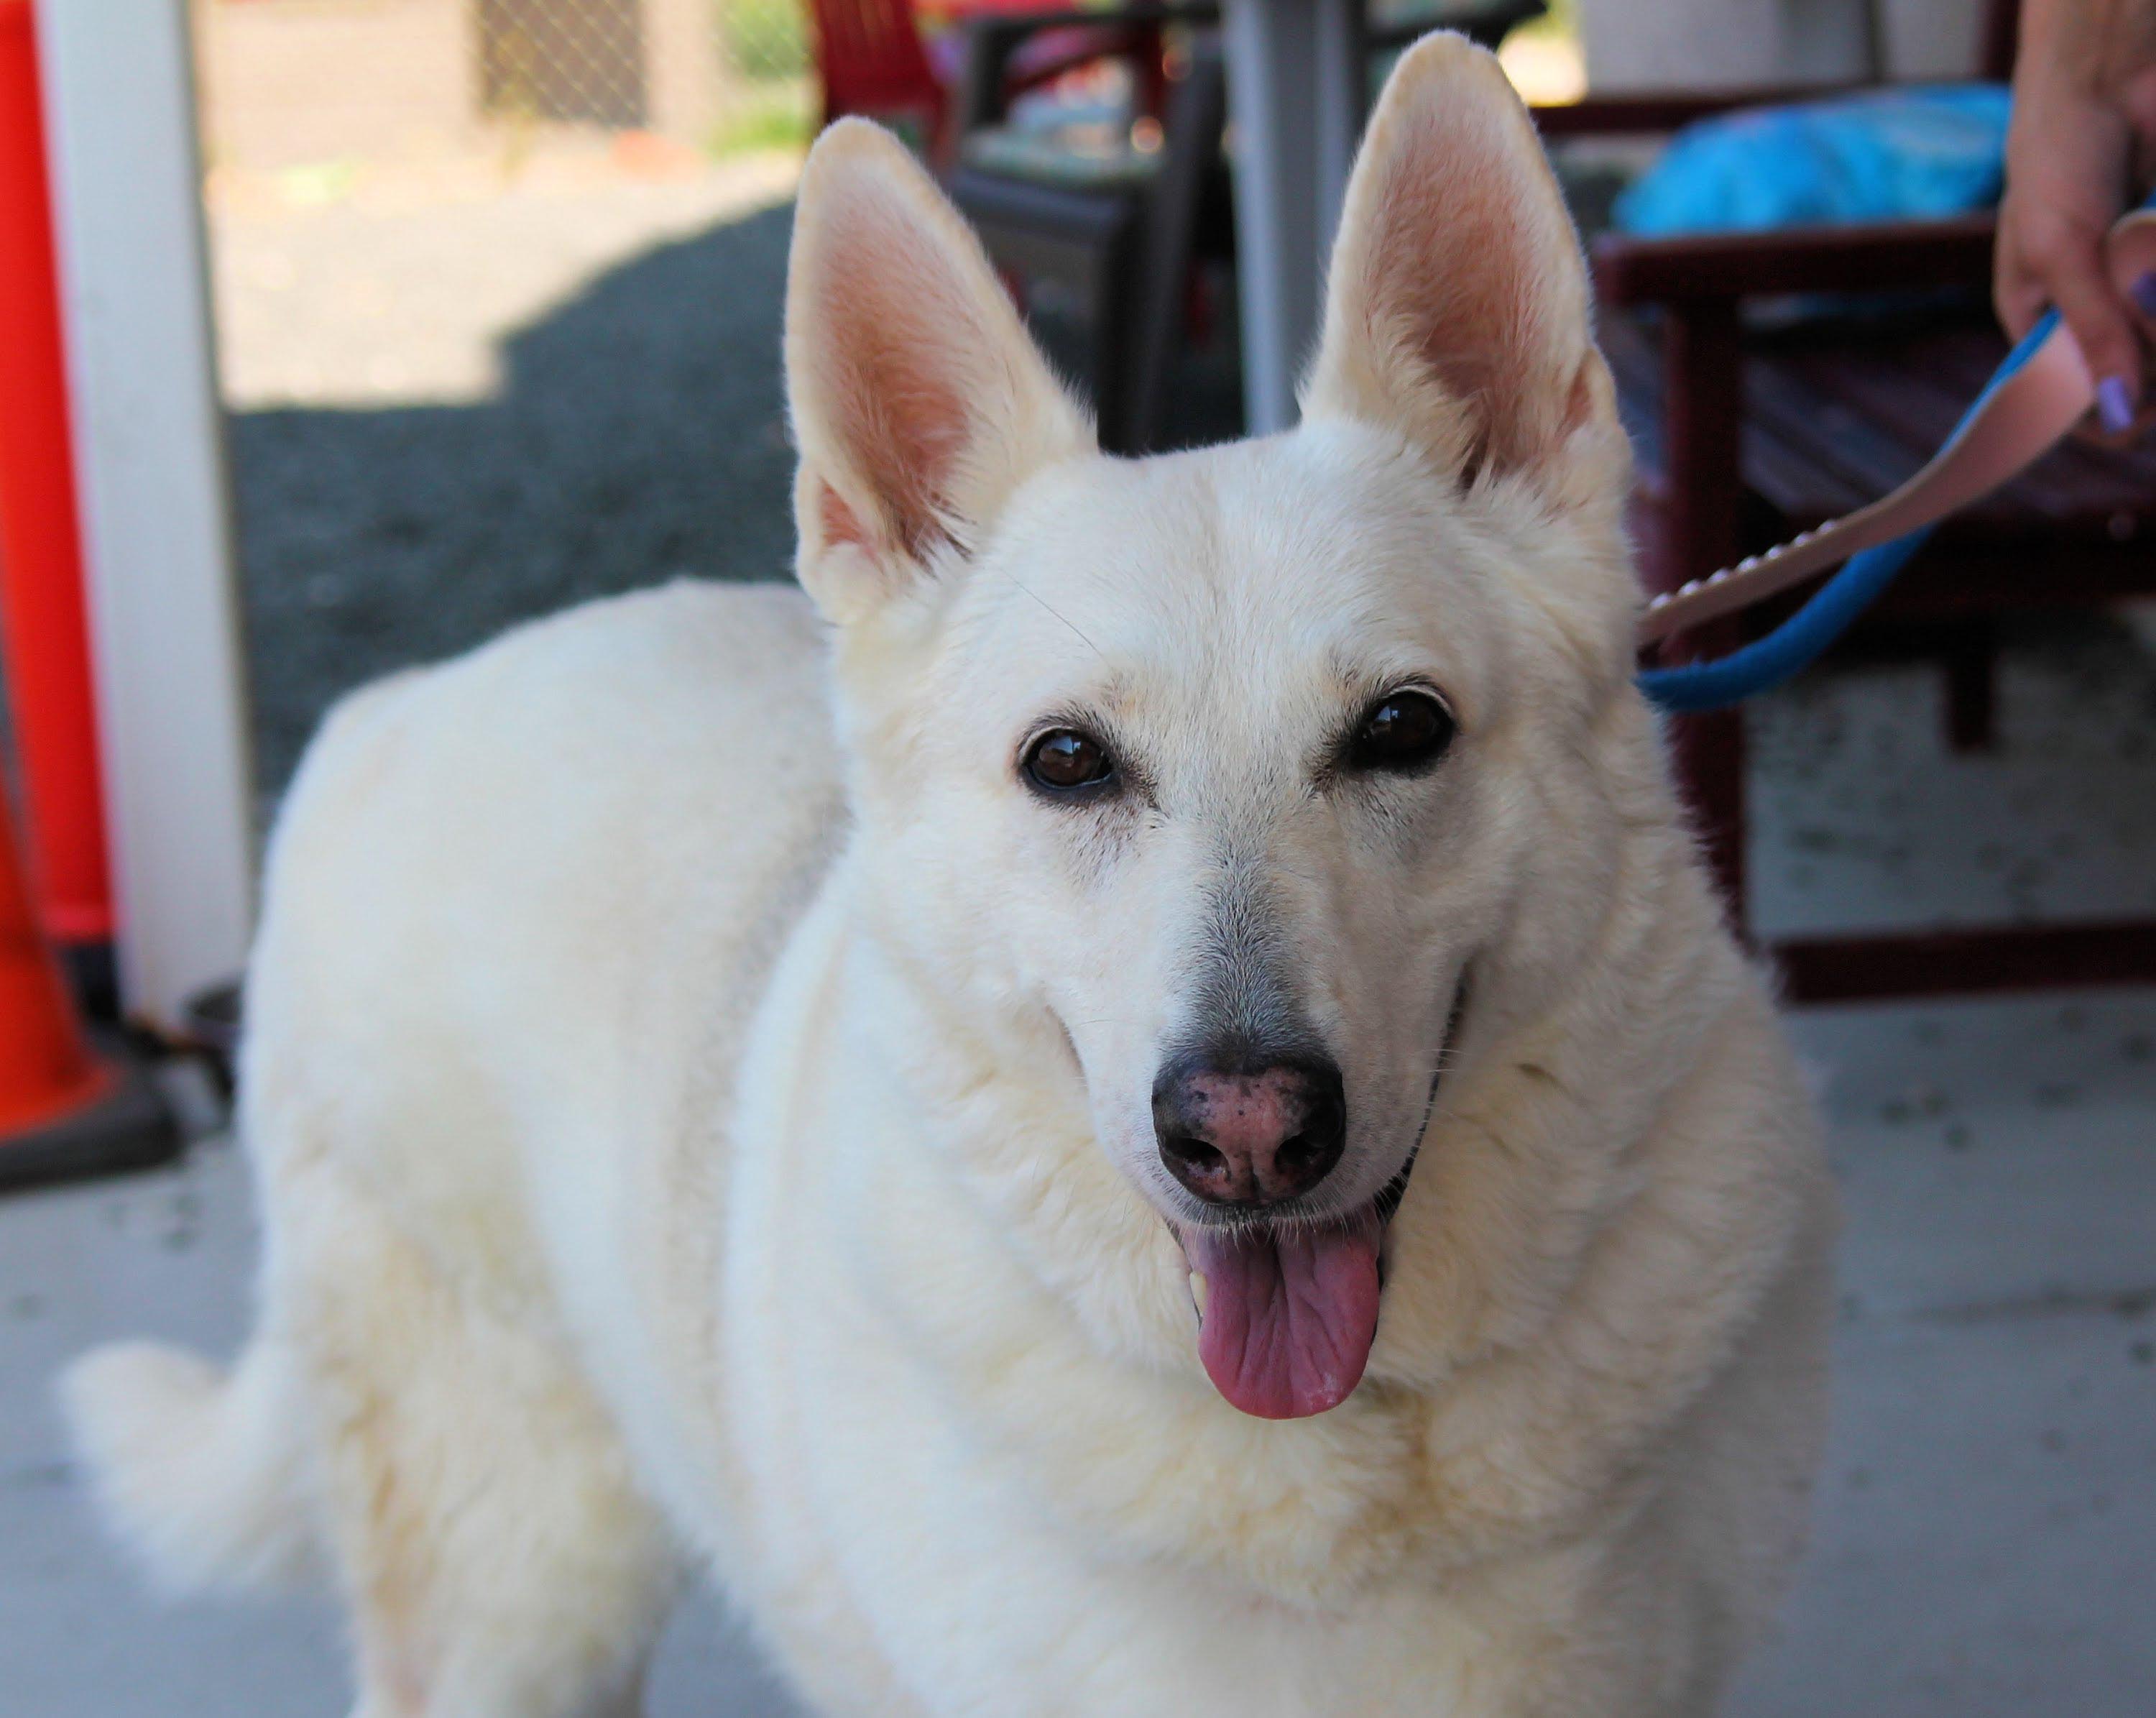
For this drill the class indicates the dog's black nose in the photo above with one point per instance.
(1249, 1138)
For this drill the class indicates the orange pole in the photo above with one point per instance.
(42, 612)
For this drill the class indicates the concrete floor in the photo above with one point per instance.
(1985, 1524)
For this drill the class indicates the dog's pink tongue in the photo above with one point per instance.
(1288, 1318)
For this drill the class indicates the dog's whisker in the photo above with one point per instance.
(1077, 630)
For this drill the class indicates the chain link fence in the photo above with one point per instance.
(294, 84)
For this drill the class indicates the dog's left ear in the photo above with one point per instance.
(918, 401)
(1457, 311)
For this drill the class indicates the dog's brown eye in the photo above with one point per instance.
(1403, 730)
(1066, 760)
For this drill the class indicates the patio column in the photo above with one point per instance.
(149, 461)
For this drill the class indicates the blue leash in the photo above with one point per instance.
(1799, 641)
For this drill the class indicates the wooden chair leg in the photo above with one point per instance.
(1196, 113)
(1972, 666)
(1118, 410)
(1702, 359)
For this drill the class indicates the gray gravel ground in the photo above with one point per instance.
(459, 405)
(448, 417)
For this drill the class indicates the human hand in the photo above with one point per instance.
(2083, 140)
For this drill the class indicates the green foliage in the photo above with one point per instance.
(776, 115)
(768, 39)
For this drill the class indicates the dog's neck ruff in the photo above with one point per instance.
(2039, 393)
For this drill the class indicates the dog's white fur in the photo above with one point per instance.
(696, 1129)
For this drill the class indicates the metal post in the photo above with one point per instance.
(1296, 76)
(1271, 44)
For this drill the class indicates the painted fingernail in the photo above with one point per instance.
(2144, 293)
(2114, 404)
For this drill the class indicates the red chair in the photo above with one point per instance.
(870, 58)
(874, 62)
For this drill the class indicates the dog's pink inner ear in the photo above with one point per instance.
(919, 405)
(840, 524)
(1449, 274)
(896, 330)
(1459, 304)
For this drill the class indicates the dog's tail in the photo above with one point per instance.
(200, 1469)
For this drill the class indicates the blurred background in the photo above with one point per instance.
(496, 295)
(492, 290)
(497, 281)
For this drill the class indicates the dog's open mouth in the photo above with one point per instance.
(1287, 1312)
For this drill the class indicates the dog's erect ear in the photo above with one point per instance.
(1458, 311)
(918, 401)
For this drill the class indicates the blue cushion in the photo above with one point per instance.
(1888, 155)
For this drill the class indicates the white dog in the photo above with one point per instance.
(1146, 1109)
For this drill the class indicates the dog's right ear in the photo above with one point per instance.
(918, 401)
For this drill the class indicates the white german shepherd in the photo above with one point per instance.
(1145, 1109)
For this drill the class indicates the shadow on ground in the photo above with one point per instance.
(639, 434)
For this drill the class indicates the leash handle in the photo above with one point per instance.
(2039, 393)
